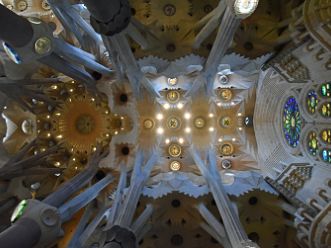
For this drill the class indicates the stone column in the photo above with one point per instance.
(235, 231)
(225, 34)
(73, 185)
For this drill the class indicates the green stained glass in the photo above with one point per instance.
(312, 143)
(326, 90)
(292, 123)
(312, 101)
(19, 210)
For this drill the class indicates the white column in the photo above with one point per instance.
(235, 231)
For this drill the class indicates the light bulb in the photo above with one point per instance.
(187, 130)
(160, 130)
(180, 105)
(166, 106)
(187, 115)
(159, 116)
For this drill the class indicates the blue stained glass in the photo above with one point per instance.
(292, 123)
(326, 155)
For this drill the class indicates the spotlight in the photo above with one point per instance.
(166, 106)
(180, 105)
(187, 130)
(159, 116)
(187, 115)
(160, 130)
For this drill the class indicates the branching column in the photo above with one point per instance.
(121, 228)
(225, 34)
(235, 231)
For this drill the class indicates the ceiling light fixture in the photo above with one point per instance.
(180, 105)
(159, 116)
(160, 130)
(244, 8)
(187, 115)
(175, 166)
(166, 106)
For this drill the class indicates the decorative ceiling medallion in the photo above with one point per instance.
(173, 122)
(28, 126)
(172, 81)
(225, 122)
(223, 79)
(199, 122)
(148, 124)
(225, 95)
(175, 165)
(173, 96)
(175, 150)
(226, 164)
(81, 123)
(226, 149)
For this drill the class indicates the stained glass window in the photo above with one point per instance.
(326, 135)
(326, 109)
(292, 123)
(326, 155)
(312, 101)
(326, 90)
(312, 143)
